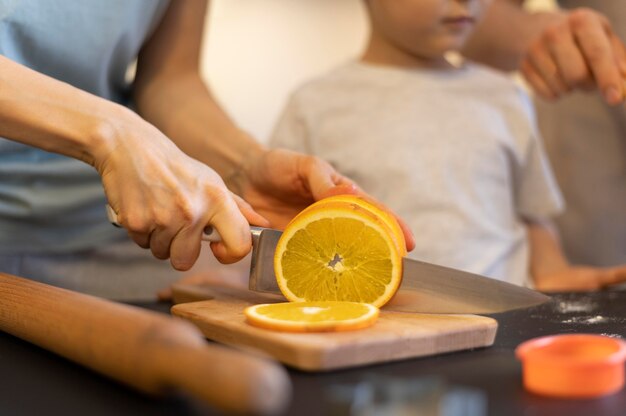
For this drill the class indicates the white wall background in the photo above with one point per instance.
(257, 51)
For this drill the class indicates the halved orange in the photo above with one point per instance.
(312, 316)
(383, 213)
(338, 251)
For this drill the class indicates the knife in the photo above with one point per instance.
(425, 287)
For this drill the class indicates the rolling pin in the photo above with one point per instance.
(147, 350)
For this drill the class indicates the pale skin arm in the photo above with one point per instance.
(556, 52)
(551, 272)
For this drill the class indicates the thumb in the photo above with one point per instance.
(324, 181)
(249, 213)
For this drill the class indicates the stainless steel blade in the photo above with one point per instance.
(425, 288)
(262, 278)
(430, 288)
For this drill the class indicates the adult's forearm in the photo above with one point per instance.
(49, 114)
(43, 112)
(182, 107)
(503, 36)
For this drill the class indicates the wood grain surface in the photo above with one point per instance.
(395, 336)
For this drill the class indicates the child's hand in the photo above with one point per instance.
(580, 279)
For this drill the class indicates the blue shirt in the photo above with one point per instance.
(48, 202)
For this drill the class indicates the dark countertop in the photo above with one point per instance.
(482, 382)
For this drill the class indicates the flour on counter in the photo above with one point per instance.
(618, 336)
(586, 320)
(582, 305)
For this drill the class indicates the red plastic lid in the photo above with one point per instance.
(573, 366)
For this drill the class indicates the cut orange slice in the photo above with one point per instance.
(387, 217)
(338, 251)
(312, 316)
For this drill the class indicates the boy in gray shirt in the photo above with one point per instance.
(454, 150)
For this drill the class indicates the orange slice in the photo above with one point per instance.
(338, 251)
(312, 316)
(383, 213)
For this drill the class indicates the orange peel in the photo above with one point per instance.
(374, 207)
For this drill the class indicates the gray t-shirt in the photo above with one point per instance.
(586, 142)
(48, 202)
(454, 152)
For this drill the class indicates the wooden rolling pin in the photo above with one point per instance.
(147, 350)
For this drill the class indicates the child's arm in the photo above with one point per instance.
(550, 270)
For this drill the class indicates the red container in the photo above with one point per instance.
(573, 366)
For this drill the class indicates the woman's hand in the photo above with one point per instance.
(165, 198)
(580, 50)
(280, 183)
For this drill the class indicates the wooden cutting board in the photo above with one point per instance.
(395, 336)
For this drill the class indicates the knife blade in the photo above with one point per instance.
(425, 287)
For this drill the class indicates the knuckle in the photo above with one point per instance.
(162, 219)
(552, 35)
(188, 214)
(535, 49)
(577, 76)
(137, 223)
(595, 53)
(581, 17)
(186, 211)
(218, 196)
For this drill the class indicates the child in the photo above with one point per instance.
(453, 150)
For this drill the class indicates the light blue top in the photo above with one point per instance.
(48, 202)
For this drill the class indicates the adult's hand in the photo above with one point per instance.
(165, 198)
(580, 50)
(279, 183)
(162, 196)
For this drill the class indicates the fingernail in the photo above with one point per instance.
(181, 265)
(612, 95)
